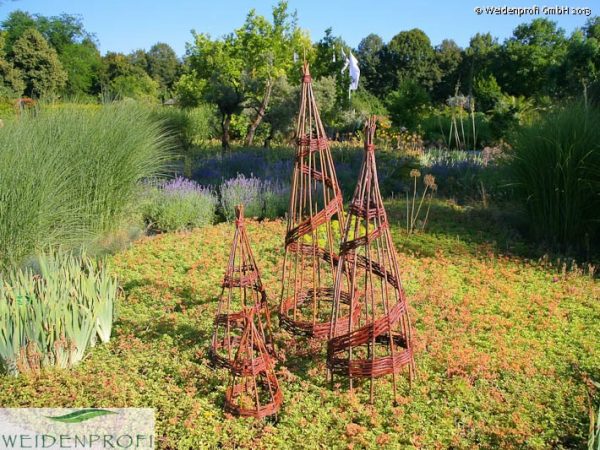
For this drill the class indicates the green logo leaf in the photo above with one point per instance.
(81, 415)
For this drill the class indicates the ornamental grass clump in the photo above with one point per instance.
(70, 174)
(179, 204)
(50, 316)
(555, 167)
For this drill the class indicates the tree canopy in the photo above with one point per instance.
(247, 73)
(43, 73)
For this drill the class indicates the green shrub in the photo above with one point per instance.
(276, 197)
(187, 127)
(438, 128)
(179, 204)
(51, 317)
(407, 103)
(69, 174)
(555, 166)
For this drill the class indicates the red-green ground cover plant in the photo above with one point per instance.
(504, 345)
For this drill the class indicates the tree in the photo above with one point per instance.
(238, 71)
(369, 54)
(14, 26)
(448, 57)
(42, 71)
(581, 66)
(267, 50)
(76, 48)
(217, 66)
(139, 59)
(163, 65)
(409, 56)
(189, 89)
(126, 79)
(325, 90)
(479, 59)
(282, 110)
(328, 59)
(487, 92)
(83, 64)
(116, 65)
(138, 86)
(592, 28)
(532, 58)
(62, 31)
(406, 103)
(328, 62)
(11, 79)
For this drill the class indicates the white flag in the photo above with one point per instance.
(354, 72)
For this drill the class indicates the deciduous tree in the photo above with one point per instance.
(163, 65)
(43, 73)
(369, 55)
(409, 56)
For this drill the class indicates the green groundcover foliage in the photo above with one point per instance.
(503, 345)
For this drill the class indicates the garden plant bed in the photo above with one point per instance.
(502, 348)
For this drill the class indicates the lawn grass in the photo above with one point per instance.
(502, 343)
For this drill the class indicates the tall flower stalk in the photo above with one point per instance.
(428, 192)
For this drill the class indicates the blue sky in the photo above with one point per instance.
(126, 25)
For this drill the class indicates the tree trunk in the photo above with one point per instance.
(269, 138)
(225, 123)
(259, 116)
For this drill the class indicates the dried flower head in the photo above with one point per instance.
(415, 173)
(429, 180)
(434, 187)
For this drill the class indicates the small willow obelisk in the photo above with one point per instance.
(241, 289)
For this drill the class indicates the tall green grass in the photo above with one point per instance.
(69, 174)
(556, 168)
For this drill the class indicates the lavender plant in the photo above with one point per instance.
(242, 190)
(261, 198)
(178, 204)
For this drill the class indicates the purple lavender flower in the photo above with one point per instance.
(182, 186)
(242, 190)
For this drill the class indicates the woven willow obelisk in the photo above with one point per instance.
(241, 289)
(253, 389)
(379, 341)
(315, 218)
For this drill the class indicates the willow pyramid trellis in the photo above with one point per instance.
(253, 389)
(241, 289)
(379, 339)
(314, 223)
